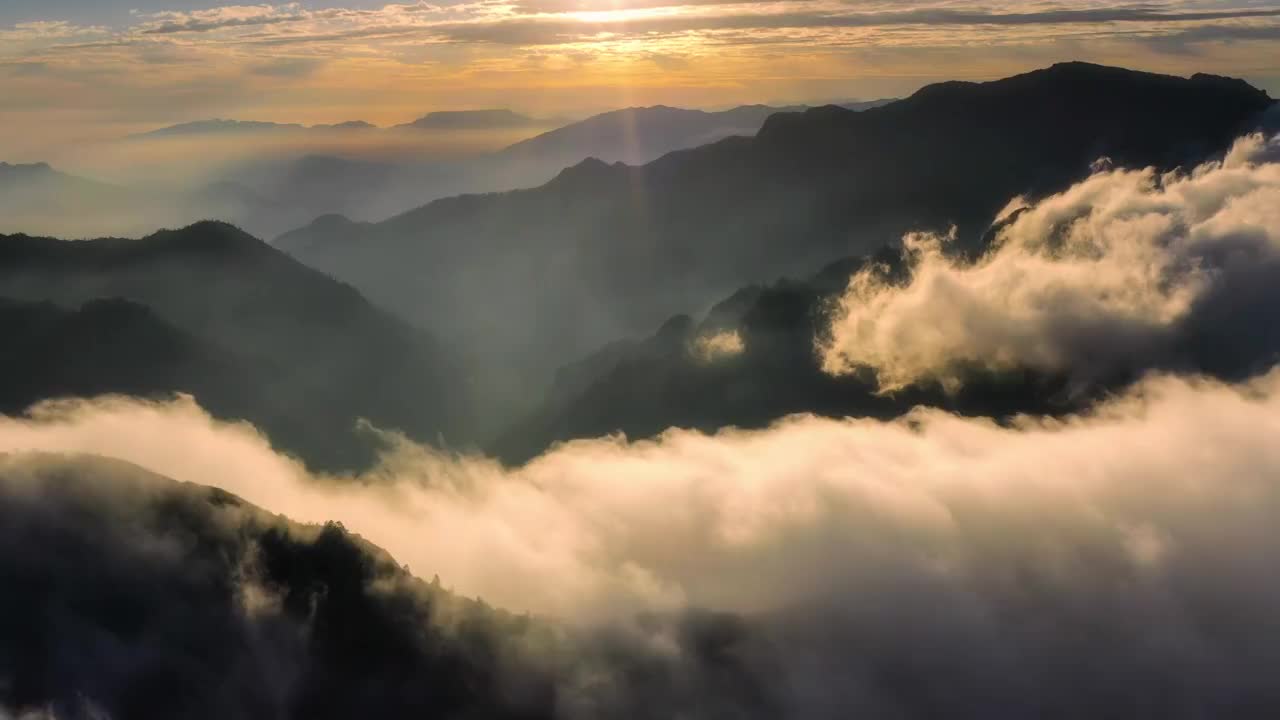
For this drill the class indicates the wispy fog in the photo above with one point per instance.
(266, 181)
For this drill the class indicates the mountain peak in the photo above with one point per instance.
(489, 119)
(1087, 93)
(212, 236)
(1080, 66)
(220, 125)
(590, 170)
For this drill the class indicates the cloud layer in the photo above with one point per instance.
(1122, 272)
(1078, 564)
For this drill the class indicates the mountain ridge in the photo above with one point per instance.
(319, 356)
(618, 249)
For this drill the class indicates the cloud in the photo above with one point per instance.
(718, 346)
(1124, 271)
(415, 57)
(1078, 565)
(231, 16)
(288, 67)
(540, 28)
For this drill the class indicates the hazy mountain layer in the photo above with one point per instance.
(607, 251)
(272, 177)
(637, 135)
(250, 332)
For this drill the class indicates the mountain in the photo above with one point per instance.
(131, 595)
(109, 346)
(349, 125)
(636, 135)
(316, 184)
(608, 250)
(642, 134)
(231, 127)
(678, 377)
(247, 330)
(220, 126)
(472, 120)
(444, 120)
(360, 189)
(337, 169)
(40, 200)
(39, 189)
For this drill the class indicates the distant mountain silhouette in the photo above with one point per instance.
(220, 126)
(642, 134)
(38, 195)
(38, 199)
(316, 184)
(366, 190)
(276, 191)
(606, 251)
(250, 332)
(472, 120)
(349, 125)
(20, 185)
(231, 127)
(444, 120)
(637, 135)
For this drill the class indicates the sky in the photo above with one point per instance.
(79, 69)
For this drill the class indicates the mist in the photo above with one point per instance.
(1147, 523)
(265, 181)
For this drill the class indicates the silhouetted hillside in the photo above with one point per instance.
(642, 134)
(111, 346)
(471, 120)
(637, 135)
(606, 251)
(314, 356)
(204, 127)
(130, 595)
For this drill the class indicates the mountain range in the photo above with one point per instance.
(274, 177)
(215, 313)
(441, 120)
(473, 120)
(597, 258)
(41, 200)
(605, 251)
(638, 135)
